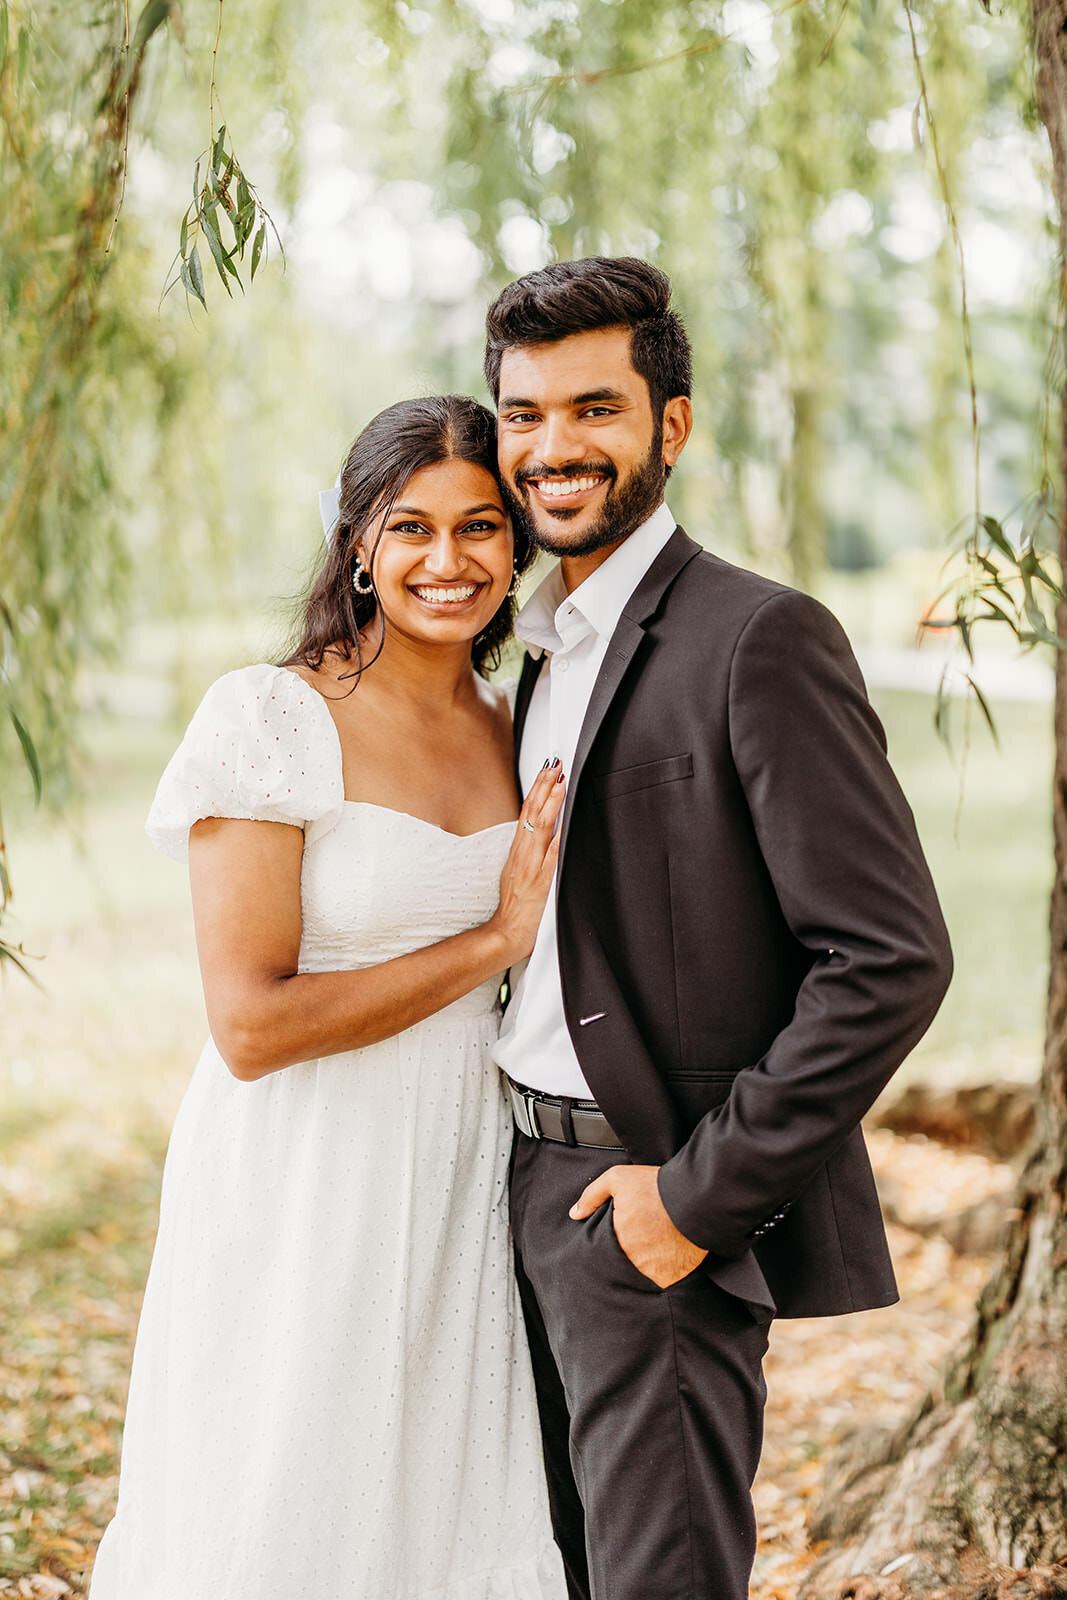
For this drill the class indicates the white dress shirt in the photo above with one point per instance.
(573, 630)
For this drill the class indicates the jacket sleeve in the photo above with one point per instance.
(839, 842)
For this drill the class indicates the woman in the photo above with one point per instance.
(330, 1395)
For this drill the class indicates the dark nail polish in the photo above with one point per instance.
(556, 762)
(560, 778)
(544, 764)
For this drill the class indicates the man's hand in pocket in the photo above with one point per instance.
(645, 1232)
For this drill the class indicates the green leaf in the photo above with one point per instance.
(984, 707)
(183, 237)
(998, 614)
(218, 148)
(28, 751)
(1044, 577)
(196, 187)
(14, 954)
(257, 248)
(1037, 620)
(941, 711)
(963, 627)
(277, 236)
(196, 276)
(152, 17)
(244, 197)
(243, 224)
(1039, 509)
(215, 245)
(996, 535)
(5, 26)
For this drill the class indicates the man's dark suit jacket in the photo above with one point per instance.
(749, 939)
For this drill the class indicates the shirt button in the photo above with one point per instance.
(561, 666)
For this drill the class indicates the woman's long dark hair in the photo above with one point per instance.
(396, 443)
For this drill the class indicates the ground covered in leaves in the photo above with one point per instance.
(74, 1249)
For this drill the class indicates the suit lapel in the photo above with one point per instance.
(642, 604)
(624, 642)
(531, 666)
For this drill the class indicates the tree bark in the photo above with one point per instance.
(968, 1498)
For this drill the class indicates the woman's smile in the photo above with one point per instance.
(447, 596)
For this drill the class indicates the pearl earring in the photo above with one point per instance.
(362, 582)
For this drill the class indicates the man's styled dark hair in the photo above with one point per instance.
(584, 296)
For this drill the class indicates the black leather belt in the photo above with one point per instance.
(561, 1119)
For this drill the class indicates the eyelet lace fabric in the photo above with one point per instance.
(331, 1393)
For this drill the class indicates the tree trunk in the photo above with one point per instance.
(969, 1497)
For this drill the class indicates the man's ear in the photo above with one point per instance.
(677, 426)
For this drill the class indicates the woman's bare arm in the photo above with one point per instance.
(264, 1015)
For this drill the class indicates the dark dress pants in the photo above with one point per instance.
(651, 1400)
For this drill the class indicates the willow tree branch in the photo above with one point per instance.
(126, 128)
(957, 245)
(214, 63)
(587, 78)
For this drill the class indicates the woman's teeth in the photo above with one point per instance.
(555, 487)
(451, 596)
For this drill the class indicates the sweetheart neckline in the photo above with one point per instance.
(391, 811)
(372, 804)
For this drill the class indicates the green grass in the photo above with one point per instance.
(985, 822)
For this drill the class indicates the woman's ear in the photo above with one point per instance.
(364, 545)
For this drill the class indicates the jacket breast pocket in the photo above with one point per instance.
(697, 1093)
(644, 776)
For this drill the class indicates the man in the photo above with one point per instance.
(744, 945)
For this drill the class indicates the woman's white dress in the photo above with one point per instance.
(331, 1395)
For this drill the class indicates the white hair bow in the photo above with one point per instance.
(330, 509)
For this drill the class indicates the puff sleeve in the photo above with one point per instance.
(261, 746)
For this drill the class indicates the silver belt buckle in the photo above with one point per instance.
(524, 1109)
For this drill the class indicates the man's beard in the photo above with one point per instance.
(625, 508)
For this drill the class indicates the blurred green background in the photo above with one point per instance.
(159, 462)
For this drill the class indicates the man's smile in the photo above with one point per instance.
(565, 491)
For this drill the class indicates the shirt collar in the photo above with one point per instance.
(601, 597)
(535, 623)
